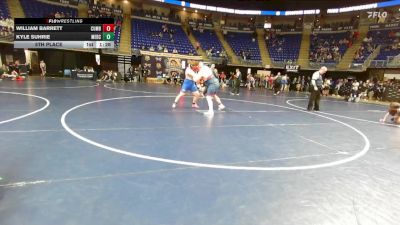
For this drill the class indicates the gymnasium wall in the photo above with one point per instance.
(284, 20)
(379, 73)
(8, 50)
(58, 60)
(236, 19)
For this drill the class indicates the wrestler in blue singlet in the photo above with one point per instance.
(188, 83)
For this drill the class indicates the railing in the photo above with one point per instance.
(250, 62)
(282, 64)
(216, 60)
(378, 64)
(279, 64)
(317, 65)
(372, 56)
(367, 61)
(390, 62)
(393, 61)
(357, 66)
(170, 55)
(158, 17)
(162, 51)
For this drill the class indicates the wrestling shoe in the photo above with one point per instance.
(194, 105)
(221, 107)
(173, 105)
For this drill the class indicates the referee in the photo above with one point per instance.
(315, 88)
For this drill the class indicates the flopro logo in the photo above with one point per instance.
(373, 15)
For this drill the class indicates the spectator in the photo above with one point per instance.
(42, 65)
(250, 82)
(236, 82)
(277, 83)
(222, 78)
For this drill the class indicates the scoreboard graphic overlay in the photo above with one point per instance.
(64, 33)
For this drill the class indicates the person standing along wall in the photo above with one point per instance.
(139, 71)
(277, 86)
(42, 65)
(236, 82)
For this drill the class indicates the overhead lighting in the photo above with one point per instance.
(195, 11)
(353, 8)
(184, 9)
(211, 8)
(247, 12)
(225, 10)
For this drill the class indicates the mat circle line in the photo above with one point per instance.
(28, 114)
(337, 115)
(216, 166)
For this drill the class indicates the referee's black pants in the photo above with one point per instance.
(313, 103)
(277, 88)
(236, 86)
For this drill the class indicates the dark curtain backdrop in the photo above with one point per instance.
(58, 60)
